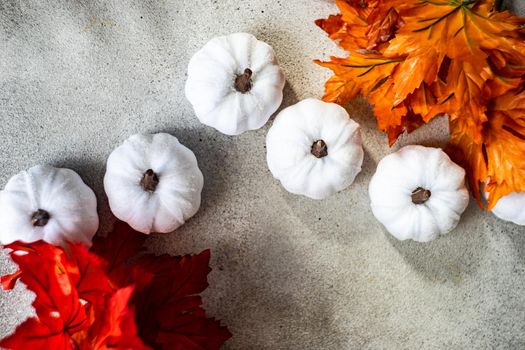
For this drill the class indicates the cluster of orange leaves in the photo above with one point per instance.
(418, 59)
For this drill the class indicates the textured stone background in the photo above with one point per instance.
(78, 77)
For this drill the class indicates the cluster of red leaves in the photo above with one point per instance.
(417, 59)
(112, 297)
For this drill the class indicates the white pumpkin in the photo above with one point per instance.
(511, 208)
(50, 204)
(234, 83)
(153, 183)
(314, 148)
(418, 193)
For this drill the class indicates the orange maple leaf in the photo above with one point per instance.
(505, 144)
(418, 59)
(357, 74)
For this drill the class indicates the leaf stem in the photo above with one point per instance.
(438, 20)
(436, 3)
(371, 65)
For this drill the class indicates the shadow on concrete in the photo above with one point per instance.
(515, 233)
(289, 99)
(212, 150)
(452, 257)
(260, 297)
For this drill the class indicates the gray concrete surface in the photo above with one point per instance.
(79, 77)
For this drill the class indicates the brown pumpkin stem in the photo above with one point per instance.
(319, 149)
(243, 82)
(149, 181)
(420, 195)
(40, 218)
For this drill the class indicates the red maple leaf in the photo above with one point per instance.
(36, 334)
(75, 304)
(60, 313)
(117, 250)
(89, 277)
(112, 297)
(168, 308)
(115, 329)
(174, 317)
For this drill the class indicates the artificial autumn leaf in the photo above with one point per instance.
(60, 313)
(116, 250)
(465, 82)
(440, 57)
(505, 146)
(113, 297)
(501, 156)
(87, 273)
(75, 304)
(175, 306)
(470, 155)
(357, 74)
(382, 31)
(362, 25)
(34, 334)
(115, 329)
(167, 305)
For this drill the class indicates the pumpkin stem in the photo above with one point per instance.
(319, 149)
(243, 82)
(420, 195)
(149, 181)
(40, 218)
